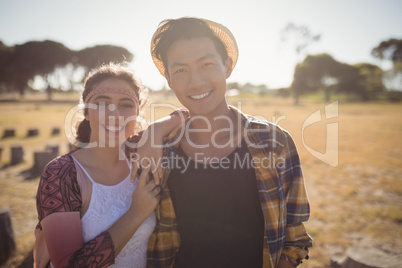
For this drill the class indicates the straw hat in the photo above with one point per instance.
(223, 33)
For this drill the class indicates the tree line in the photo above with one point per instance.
(366, 81)
(20, 64)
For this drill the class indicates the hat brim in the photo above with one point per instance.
(223, 33)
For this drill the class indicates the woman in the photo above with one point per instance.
(90, 213)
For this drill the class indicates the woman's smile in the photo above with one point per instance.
(114, 129)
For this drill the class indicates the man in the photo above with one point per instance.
(233, 191)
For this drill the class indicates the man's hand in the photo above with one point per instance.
(285, 264)
(150, 146)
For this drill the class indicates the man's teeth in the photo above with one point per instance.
(197, 97)
(113, 128)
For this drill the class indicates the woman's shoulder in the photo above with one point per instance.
(62, 160)
(59, 166)
(58, 189)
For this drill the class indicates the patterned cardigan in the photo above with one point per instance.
(59, 191)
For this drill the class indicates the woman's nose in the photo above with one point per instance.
(112, 110)
(113, 114)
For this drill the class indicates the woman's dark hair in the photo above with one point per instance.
(94, 78)
(173, 30)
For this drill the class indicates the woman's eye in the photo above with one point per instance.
(127, 105)
(101, 104)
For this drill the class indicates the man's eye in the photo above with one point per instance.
(207, 64)
(179, 71)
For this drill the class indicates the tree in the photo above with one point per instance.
(370, 81)
(314, 73)
(84, 60)
(92, 57)
(391, 50)
(348, 78)
(300, 37)
(51, 60)
(6, 68)
(37, 58)
(233, 85)
(322, 72)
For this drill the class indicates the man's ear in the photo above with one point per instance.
(228, 67)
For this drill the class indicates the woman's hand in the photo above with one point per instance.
(144, 201)
(146, 196)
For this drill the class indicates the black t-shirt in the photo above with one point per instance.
(218, 211)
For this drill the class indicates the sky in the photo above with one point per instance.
(349, 29)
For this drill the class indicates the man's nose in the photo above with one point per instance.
(196, 79)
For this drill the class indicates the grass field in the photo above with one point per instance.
(357, 202)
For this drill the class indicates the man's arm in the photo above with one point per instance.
(148, 145)
(297, 240)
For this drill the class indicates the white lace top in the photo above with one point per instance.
(107, 205)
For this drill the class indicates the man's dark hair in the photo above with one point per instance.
(173, 30)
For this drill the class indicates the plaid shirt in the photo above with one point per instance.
(281, 191)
